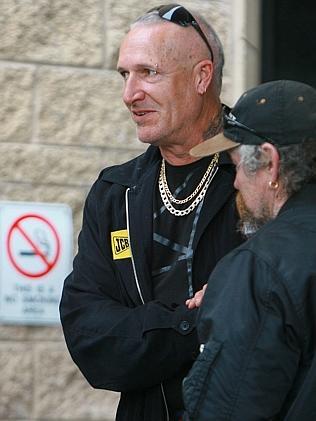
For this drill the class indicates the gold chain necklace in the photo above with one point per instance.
(199, 192)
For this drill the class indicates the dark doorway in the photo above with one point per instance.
(289, 40)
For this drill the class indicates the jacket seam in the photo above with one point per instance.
(285, 281)
(243, 374)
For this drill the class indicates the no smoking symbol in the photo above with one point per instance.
(33, 245)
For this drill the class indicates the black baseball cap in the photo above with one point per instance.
(281, 112)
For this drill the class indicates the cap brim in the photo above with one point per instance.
(213, 145)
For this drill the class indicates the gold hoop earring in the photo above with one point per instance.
(273, 185)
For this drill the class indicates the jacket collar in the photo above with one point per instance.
(305, 197)
(130, 173)
(133, 172)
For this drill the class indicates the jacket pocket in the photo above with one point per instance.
(194, 384)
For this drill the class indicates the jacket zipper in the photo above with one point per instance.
(130, 245)
(165, 402)
(138, 286)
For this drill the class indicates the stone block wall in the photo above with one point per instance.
(61, 121)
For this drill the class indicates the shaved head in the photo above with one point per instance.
(182, 45)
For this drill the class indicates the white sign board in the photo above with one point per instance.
(35, 257)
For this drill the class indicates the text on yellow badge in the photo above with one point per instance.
(120, 245)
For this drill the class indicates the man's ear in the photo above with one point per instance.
(274, 160)
(204, 75)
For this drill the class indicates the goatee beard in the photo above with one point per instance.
(249, 224)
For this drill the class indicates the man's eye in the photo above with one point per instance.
(124, 75)
(151, 72)
(237, 166)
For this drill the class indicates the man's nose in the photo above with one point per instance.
(133, 90)
(236, 184)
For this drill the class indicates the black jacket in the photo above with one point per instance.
(258, 323)
(120, 338)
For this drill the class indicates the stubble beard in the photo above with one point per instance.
(248, 223)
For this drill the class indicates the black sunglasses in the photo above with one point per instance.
(230, 120)
(181, 16)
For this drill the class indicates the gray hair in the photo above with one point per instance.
(297, 163)
(211, 35)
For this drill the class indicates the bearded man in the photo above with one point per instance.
(258, 319)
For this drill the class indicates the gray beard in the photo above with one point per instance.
(249, 224)
(248, 229)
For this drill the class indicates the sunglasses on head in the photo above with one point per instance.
(231, 121)
(181, 16)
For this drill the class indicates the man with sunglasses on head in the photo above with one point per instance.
(258, 315)
(154, 227)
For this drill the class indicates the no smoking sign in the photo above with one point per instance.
(35, 258)
(33, 245)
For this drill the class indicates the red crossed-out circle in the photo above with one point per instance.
(49, 264)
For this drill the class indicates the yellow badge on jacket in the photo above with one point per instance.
(120, 245)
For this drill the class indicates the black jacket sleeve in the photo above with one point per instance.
(252, 348)
(118, 345)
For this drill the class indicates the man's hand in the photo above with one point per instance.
(196, 301)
